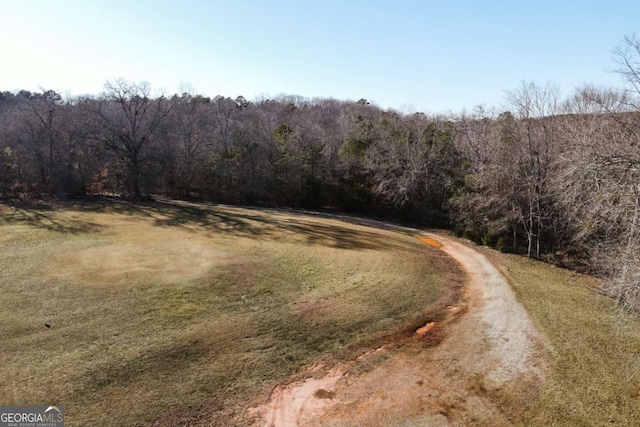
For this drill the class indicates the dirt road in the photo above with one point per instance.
(483, 373)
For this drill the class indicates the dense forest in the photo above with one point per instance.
(548, 176)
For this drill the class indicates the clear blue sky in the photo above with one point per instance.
(429, 56)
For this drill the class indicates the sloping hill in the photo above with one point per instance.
(489, 354)
(172, 313)
(175, 313)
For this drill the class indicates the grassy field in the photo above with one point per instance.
(594, 352)
(176, 314)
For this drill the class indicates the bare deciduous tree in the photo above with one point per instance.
(128, 118)
(537, 108)
(189, 135)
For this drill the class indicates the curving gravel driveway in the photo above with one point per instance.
(482, 373)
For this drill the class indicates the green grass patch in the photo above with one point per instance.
(594, 354)
(183, 314)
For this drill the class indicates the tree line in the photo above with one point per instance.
(549, 176)
(288, 151)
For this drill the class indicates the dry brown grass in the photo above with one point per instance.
(180, 314)
(594, 352)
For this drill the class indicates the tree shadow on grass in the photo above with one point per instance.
(43, 215)
(272, 225)
(256, 223)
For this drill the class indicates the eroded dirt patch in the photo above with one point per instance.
(426, 328)
(430, 241)
(291, 404)
(484, 371)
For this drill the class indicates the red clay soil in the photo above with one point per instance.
(482, 373)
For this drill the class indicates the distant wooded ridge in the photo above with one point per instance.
(553, 177)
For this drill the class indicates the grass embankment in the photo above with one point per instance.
(182, 314)
(594, 354)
